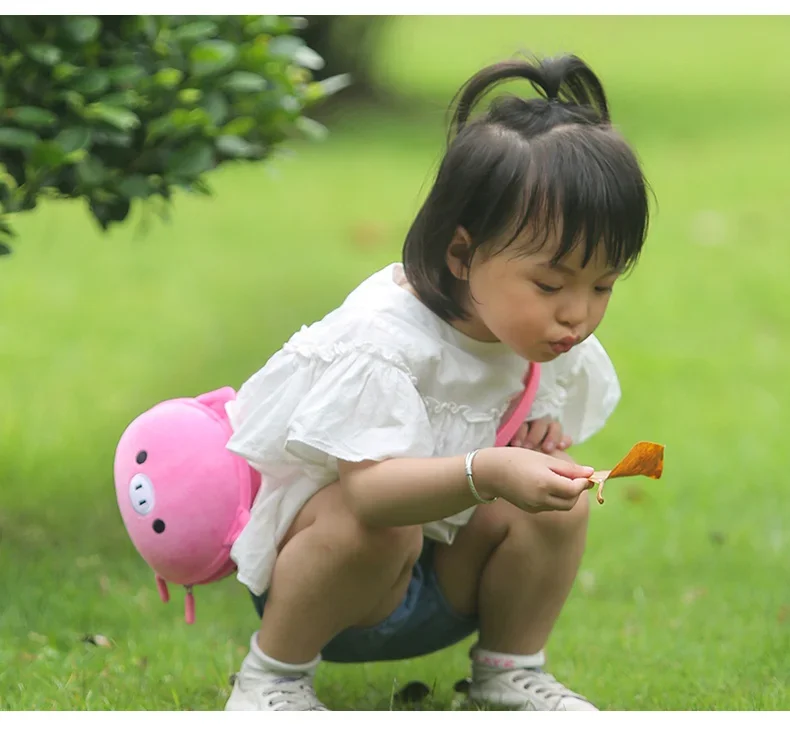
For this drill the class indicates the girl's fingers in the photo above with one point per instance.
(536, 433)
(553, 437)
(520, 437)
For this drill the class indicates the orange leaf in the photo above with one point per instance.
(644, 459)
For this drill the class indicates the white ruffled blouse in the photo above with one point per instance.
(383, 377)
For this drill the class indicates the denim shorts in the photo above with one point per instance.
(422, 623)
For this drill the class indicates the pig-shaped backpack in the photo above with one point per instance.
(185, 498)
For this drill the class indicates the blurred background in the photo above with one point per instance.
(682, 602)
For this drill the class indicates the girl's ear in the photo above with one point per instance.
(458, 255)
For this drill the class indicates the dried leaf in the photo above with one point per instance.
(98, 640)
(718, 538)
(586, 581)
(88, 562)
(413, 692)
(644, 459)
(691, 595)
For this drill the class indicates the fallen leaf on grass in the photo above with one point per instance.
(718, 538)
(784, 614)
(630, 629)
(98, 640)
(413, 692)
(644, 459)
(586, 581)
(91, 561)
(691, 595)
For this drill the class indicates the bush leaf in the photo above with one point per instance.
(244, 82)
(210, 57)
(192, 160)
(73, 139)
(44, 54)
(82, 28)
(33, 117)
(196, 31)
(16, 138)
(118, 117)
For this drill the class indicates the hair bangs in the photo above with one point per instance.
(581, 191)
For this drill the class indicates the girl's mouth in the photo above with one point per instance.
(563, 346)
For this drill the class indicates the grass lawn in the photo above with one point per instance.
(682, 602)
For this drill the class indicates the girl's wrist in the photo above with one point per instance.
(486, 473)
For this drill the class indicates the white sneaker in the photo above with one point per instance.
(523, 689)
(264, 684)
(273, 692)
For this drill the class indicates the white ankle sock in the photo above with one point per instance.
(505, 661)
(259, 660)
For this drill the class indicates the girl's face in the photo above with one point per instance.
(538, 310)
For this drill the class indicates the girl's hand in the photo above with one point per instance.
(530, 480)
(543, 434)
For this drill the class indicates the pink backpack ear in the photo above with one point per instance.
(217, 399)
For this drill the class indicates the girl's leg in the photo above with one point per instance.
(515, 571)
(332, 572)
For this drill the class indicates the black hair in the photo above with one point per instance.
(553, 164)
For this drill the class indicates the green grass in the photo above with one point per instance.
(683, 601)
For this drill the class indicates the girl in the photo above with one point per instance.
(388, 526)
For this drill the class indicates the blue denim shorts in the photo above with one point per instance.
(422, 624)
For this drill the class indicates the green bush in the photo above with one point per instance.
(116, 108)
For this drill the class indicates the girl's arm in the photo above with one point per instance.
(414, 491)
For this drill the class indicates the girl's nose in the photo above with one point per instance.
(573, 315)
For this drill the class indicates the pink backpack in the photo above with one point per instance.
(184, 498)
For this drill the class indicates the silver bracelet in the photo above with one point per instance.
(468, 463)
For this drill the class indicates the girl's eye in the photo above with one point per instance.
(604, 290)
(546, 288)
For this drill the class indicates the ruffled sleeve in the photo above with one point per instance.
(579, 389)
(355, 406)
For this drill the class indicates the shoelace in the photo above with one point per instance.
(544, 685)
(289, 687)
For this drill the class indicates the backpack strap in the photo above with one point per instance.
(518, 415)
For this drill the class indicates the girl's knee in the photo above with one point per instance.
(564, 524)
(501, 520)
(404, 543)
(327, 514)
